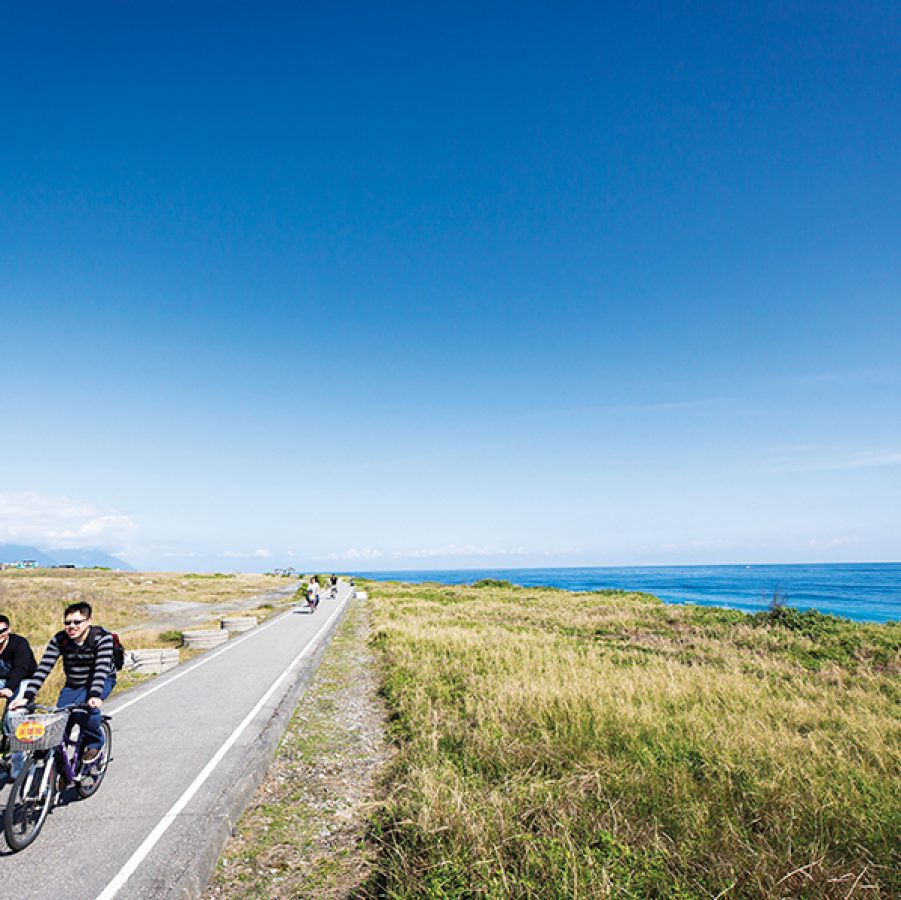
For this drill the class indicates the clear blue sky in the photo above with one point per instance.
(390, 285)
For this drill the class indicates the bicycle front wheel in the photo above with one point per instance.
(92, 773)
(29, 801)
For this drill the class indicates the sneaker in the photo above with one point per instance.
(91, 754)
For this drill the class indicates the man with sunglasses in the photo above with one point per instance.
(87, 653)
(17, 665)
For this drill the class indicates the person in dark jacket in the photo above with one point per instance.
(16, 660)
(87, 654)
(17, 665)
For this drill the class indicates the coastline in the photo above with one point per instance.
(862, 592)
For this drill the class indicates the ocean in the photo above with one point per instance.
(866, 592)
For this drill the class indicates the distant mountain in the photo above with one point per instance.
(85, 557)
(14, 552)
(89, 557)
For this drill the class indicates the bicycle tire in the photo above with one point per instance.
(92, 773)
(30, 799)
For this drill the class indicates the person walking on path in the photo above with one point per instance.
(87, 653)
(17, 665)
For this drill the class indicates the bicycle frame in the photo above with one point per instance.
(68, 756)
(47, 771)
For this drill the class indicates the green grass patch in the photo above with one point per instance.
(172, 637)
(203, 575)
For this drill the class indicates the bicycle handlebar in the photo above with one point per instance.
(31, 708)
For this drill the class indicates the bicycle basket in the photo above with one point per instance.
(36, 732)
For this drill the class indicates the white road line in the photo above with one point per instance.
(209, 657)
(162, 826)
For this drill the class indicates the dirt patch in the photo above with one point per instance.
(303, 835)
(183, 614)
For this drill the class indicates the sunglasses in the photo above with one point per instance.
(72, 623)
(4, 629)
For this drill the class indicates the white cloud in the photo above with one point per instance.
(355, 553)
(31, 518)
(263, 553)
(714, 544)
(864, 460)
(848, 541)
(662, 406)
(848, 377)
(454, 550)
(447, 551)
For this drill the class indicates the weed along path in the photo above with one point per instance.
(190, 748)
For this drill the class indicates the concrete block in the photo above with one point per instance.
(152, 661)
(361, 595)
(238, 623)
(204, 640)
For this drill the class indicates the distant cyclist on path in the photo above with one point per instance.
(313, 593)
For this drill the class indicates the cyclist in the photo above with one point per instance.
(17, 665)
(87, 652)
(333, 583)
(313, 593)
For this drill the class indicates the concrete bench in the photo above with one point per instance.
(203, 640)
(237, 624)
(152, 661)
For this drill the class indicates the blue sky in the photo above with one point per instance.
(389, 285)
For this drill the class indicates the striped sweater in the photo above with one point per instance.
(86, 665)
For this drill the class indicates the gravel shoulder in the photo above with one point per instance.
(304, 833)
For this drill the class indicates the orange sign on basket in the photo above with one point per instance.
(29, 732)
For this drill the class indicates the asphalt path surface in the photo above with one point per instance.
(189, 748)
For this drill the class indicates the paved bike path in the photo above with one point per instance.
(186, 758)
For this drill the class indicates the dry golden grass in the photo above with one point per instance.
(586, 745)
(34, 600)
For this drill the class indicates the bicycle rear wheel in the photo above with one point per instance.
(92, 773)
(29, 801)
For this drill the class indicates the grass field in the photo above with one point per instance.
(560, 745)
(35, 599)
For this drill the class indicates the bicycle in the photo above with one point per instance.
(54, 762)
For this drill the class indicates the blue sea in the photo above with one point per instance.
(867, 592)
